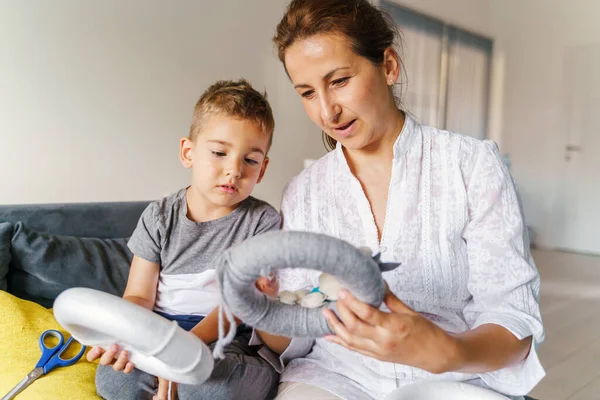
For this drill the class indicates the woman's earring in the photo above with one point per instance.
(391, 82)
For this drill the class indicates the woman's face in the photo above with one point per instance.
(345, 94)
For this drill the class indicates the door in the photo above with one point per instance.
(580, 189)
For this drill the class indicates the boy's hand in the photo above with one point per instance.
(268, 285)
(163, 390)
(107, 357)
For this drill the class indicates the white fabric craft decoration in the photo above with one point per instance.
(156, 345)
(328, 290)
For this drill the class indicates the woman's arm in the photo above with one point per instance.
(488, 348)
(404, 336)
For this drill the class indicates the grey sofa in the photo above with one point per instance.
(47, 248)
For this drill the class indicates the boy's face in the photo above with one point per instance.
(227, 157)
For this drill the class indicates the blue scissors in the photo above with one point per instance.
(49, 360)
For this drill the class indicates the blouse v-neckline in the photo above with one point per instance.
(401, 146)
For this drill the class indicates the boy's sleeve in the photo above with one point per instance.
(145, 239)
(270, 220)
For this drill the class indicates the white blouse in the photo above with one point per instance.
(455, 223)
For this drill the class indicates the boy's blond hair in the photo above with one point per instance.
(237, 99)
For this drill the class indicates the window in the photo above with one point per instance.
(447, 71)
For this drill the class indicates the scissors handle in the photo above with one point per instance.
(48, 352)
(51, 356)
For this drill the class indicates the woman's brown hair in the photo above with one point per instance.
(369, 30)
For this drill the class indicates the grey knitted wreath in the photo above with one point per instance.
(241, 265)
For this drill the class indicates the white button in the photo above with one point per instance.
(383, 249)
(400, 375)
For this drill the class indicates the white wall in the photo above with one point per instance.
(535, 36)
(94, 95)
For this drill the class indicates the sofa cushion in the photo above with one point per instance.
(22, 324)
(6, 230)
(44, 265)
(99, 220)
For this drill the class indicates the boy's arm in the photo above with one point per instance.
(142, 282)
(277, 344)
(208, 329)
(145, 244)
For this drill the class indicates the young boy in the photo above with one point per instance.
(179, 238)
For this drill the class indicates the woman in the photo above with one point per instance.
(464, 304)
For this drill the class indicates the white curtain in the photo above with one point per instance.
(422, 60)
(469, 60)
(422, 54)
(447, 73)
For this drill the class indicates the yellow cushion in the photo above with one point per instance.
(22, 323)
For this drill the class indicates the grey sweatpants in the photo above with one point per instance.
(242, 374)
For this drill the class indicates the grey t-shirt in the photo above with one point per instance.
(187, 250)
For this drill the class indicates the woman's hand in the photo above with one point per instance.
(401, 336)
(107, 357)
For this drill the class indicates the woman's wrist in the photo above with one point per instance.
(484, 349)
(456, 354)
